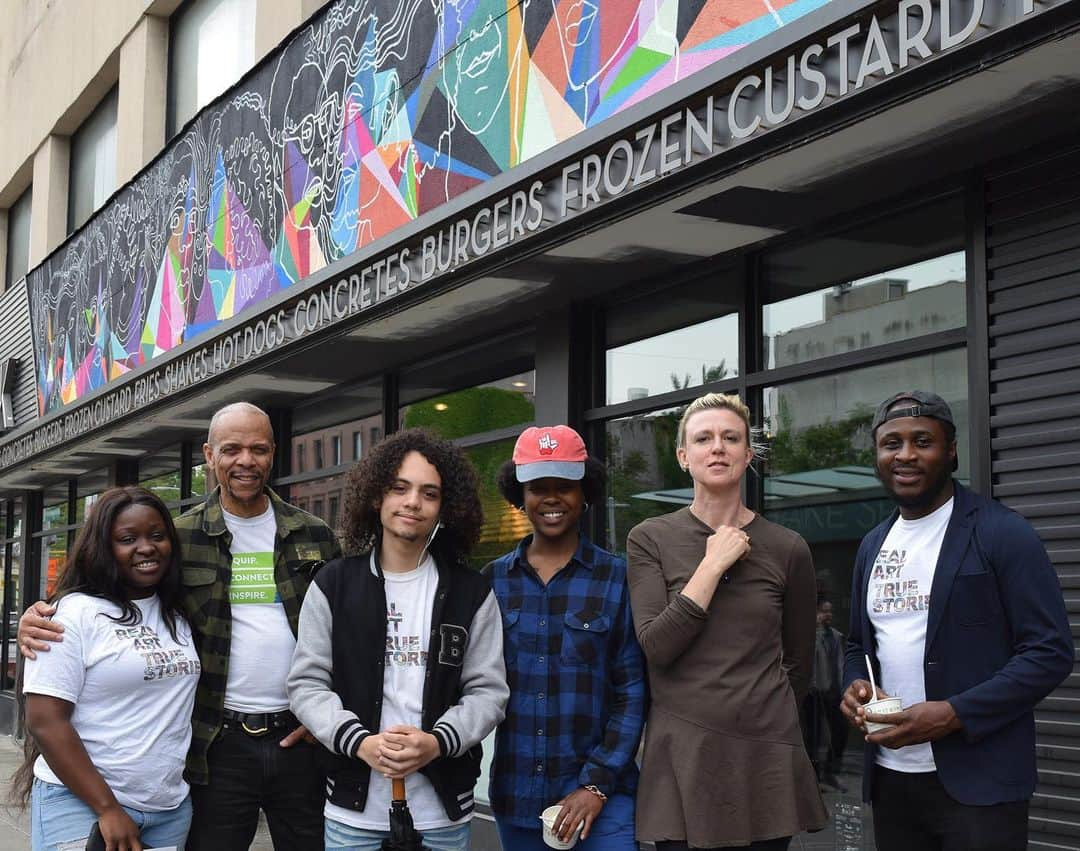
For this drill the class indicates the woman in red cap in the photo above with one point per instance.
(724, 603)
(575, 670)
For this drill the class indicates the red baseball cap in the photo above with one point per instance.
(557, 452)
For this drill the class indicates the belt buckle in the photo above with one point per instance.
(261, 731)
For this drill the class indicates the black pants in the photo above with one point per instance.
(915, 811)
(251, 773)
(780, 844)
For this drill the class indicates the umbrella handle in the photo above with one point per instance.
(397, 788)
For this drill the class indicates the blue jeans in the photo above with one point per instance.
(58, 816)
(613, 830)
(342, 837)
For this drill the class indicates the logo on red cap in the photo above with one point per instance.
(547, 444)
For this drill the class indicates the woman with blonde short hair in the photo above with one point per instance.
(724, 608)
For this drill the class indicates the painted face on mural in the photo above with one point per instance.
(592, 39)
(476, 75)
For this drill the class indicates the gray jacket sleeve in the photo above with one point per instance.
(484, 691)
(311, 698)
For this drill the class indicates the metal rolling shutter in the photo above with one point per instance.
(1033, 282)
(16, 342)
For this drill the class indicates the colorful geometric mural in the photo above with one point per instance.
(374, 113)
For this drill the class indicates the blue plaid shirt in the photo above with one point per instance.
(577, 682)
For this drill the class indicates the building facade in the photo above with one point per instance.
(475, 215)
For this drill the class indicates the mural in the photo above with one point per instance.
(376, 112)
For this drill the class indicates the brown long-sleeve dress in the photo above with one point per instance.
(724, 758)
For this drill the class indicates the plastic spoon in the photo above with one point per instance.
(873, 685)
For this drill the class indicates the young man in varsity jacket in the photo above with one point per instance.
(398, 668)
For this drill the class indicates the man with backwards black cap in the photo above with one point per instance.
(956, 604)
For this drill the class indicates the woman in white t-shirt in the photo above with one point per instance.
(108, 709)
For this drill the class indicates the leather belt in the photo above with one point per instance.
(261, 723)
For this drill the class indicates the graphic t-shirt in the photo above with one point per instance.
(262, 642)
(898, 603)
(133, 687)
(410, 598)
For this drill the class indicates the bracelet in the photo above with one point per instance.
(596, 791)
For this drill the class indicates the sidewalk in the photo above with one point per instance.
(15, 822)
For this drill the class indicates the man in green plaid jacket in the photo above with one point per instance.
(248, 558)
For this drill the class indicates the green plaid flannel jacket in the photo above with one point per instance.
(303, 544)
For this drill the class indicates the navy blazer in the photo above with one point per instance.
(997, 642)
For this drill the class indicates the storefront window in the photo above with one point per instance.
(486, 419)
(318, 426)
(678, 338)
(644, 478)
(889, 281)
(11, 572)
(89, 487)
(54, 548)
(160, 473)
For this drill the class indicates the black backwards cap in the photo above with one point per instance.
(923, 404)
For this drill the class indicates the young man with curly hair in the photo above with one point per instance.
(398, 668)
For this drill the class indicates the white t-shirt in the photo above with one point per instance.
(410, 598)
(262, 642)
(898, 603)
(133, 688)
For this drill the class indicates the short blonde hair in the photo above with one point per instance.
(726, 402)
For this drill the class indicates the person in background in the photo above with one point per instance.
(826, 727)
(958, 607)
(108, 712)
(724, 605)
(398, 667)
(576, 673)
(248, 558)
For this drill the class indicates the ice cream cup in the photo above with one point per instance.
(881, 706)
(548, 817)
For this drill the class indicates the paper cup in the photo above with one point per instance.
(883, 706)
(548, 817)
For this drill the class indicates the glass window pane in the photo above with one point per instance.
(212, 44)
(89, 488)
(55, 506)
(503, 525)
(889, 281)
(12, 610)
(18, 242)
(160, 473)
(644, 478)
(673, 339)
(93, 162)
(476, 410)
(53, 554)
(198, 478)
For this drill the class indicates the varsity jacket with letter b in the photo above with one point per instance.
(336, 681)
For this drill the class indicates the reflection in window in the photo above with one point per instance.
(677, 338)
(93, 162)
(475, 410)
(892, 279)
(467, 415)
(644, 477)
(11, 574)
(899, 304)
(53, 554)
(689, 357)
(820, 474)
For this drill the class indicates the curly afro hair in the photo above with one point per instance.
(593, 484)
(461, 514)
